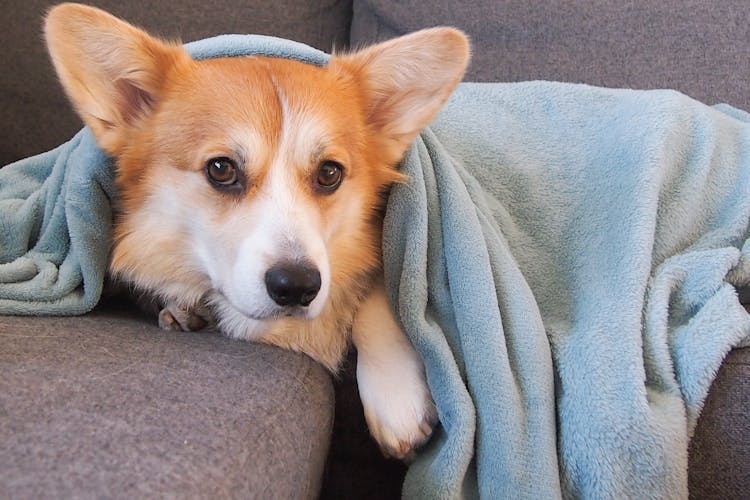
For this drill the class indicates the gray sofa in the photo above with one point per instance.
(108, 405)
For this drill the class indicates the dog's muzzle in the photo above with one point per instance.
(292, 284)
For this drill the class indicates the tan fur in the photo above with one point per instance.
(163, 115)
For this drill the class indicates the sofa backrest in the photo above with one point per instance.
(696, 46)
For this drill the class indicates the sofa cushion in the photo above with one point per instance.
(33, 109)
(719, 455)
(697, 47)
(108, 405)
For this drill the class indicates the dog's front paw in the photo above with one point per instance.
(398, 408)
(391, 378)
(178, 319)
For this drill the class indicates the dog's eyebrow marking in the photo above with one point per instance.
(237, 143)
(319, 153)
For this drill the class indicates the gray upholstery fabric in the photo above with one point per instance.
(34, 113)
(697, 47)
(109, 406)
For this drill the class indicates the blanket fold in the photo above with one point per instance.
(565, 259)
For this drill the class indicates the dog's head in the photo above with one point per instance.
(257, 180)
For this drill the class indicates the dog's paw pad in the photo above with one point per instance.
(176, 319)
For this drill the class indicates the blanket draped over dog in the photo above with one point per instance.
(564, 258)
(565, 261)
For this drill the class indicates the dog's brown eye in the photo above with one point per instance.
(330, 174)
(221, 171)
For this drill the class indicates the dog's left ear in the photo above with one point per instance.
(406, 81)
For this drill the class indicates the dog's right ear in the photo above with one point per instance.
(112, 72)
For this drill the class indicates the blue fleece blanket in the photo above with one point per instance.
(564, 258)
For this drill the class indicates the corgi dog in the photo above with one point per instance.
(251, 189)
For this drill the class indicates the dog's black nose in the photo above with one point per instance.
(292, 284)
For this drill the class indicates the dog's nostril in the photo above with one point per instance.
(292, 284)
